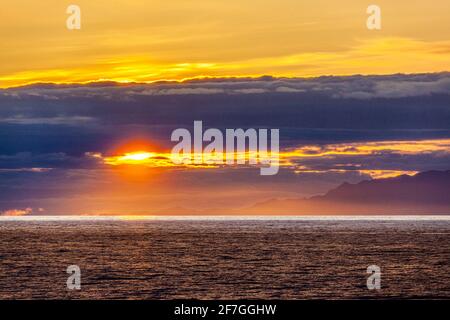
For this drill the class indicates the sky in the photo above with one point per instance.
(86, 115)
(136, 40)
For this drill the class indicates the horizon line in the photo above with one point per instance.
(419, 217)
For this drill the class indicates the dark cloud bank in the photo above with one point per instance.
(53, 126)
(75, 119)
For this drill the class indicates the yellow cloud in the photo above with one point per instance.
(294, 157)
(287, 158)
(375, 56)
(17, 212)
(374, 174)
(370, 148)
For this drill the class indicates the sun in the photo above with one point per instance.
(148, 159)
(136, 157)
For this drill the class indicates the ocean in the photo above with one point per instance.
(224, 258)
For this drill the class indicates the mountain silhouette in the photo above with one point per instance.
(424, 193)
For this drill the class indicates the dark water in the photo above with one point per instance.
(225, 259)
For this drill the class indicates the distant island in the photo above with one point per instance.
(424, 193)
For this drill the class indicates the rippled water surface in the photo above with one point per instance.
(227, 259)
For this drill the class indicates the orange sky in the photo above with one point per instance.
(136, 40)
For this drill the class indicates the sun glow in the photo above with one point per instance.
(287, 158)
(138, 157)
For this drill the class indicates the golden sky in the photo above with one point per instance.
(137, 40)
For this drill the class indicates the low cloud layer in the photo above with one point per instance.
(16, 212)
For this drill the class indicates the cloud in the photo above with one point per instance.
(250, 90)
(372, 55)
(41, 132)
(332, 129)
(182, 91)
(288, 89)
(373, 163)
(17, 212)
(400, 89)
(51, 121)
(388, 86)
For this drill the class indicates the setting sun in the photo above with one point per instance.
(138, 157)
